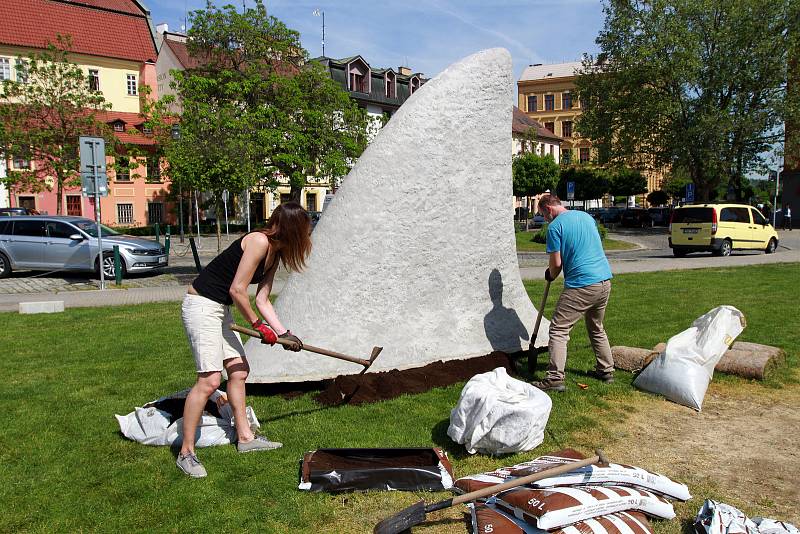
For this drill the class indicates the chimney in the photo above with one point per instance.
(405, 71)
(162, 28)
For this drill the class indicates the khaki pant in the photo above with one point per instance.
(588, 302)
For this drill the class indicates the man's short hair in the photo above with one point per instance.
(549, 200)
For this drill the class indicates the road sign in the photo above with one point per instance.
(690, 192)
(570, 190)
(93, 166)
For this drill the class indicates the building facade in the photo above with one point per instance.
(113, 42)
(546, 93)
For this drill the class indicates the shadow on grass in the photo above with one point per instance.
(439, 437)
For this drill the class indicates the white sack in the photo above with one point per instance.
(772, 526)
(498, 414)
(151, 426)
(682, 372)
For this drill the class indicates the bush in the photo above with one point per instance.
(541, 235)
(602, 230)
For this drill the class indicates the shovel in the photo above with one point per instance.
(317, 350)
(532, 353)
(415, 514)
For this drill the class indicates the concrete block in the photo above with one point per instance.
(51, 306)
(416, 252)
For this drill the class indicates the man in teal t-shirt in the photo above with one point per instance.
(574, 247)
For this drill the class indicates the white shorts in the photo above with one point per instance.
(207, 325)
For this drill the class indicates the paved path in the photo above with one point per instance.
(76, 290)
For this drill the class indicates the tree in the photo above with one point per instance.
(590, 182)
(675, 183)
(658, 198)
(43, 113)
(628, 182)
(253, 108)
(534, 174)
(699, 84)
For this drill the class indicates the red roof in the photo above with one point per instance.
(132, 134)
(521, 123)
(107, 28)
(181, 52)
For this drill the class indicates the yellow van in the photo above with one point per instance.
(720, 228)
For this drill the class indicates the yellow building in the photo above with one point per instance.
(546, 93)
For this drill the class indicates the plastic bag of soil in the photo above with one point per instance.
(558, 507)
(488, 519)
(405, 469)
(720, 518)
(682, 372)
(498, 414)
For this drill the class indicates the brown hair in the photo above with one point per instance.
(549, 200)
(289, 229)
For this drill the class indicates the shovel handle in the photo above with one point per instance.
(310, 348)
(551, 472)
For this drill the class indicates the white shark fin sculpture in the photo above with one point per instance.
(416, 252)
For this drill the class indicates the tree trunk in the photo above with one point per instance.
(217, 213)
(295, 193)
(60, 194)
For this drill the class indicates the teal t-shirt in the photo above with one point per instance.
(574, 234)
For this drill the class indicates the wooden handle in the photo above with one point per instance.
(310, 348)
(535, 332)
(551, 472)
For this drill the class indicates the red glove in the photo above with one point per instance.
(268, 336)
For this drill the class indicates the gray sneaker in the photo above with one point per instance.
(189, 464)
(549, 384)
(259, 443)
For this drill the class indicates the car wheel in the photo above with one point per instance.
(725, 249)
(679, 252)
(771, 246)
(108, 266)
(5, 266)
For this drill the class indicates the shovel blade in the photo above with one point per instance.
(402, 520)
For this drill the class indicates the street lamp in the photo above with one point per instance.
(319, 13)
(175, 131)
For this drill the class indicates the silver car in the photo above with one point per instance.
(59, 243)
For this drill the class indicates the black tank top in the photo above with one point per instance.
(214, 281)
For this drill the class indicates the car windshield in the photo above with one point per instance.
(91, 228)
(692, 215)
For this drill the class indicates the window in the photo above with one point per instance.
(60, 230)
(551, 149)
(735, 215)
(153, 169)
(584, 155)
(413, 85)
(125, 213)
(147, 130)
(566, 156)
(123, 170)
(390, 86)
(29, 228)
(94, 80)
(566, 129)
(155, 212)
(74, 205)
(358, 82)
(566, 100)
(549, 102)
(132, 89)
(22, 70)
(285, 197)
(311, 202)
(757, 217)
(21, 162)
(5, 69)
(119, 126)
(550, 126)
(532, 103)
(27, 202)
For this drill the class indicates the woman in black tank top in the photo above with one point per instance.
(252, 259)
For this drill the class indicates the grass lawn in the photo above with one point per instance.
(525, 243)
(66, 467)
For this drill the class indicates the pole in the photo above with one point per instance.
(97, 216)
(197, 212)
(247, 197)
(180, 207)
(225, 203)
(323, 33)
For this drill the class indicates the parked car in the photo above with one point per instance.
(17, 211)
(660, 216)
(720, 228)
(609, 215)
(636, 218)
(61, 243)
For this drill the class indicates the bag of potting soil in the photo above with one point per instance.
(615, 474)
(682, 372)
(720, 518)
(488, 519)
(498, 414)
(498, 476)
(558, 507)
(772, 526)
(160, 422)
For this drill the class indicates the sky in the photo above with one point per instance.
(427, 35)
